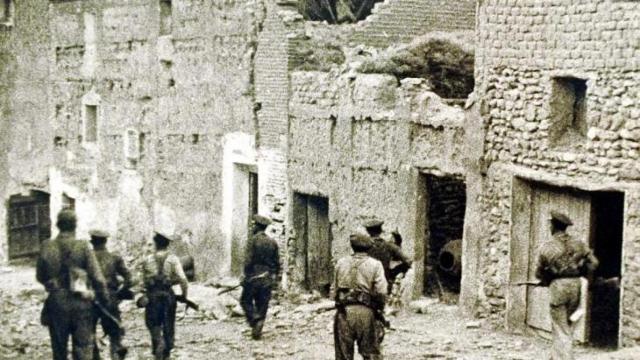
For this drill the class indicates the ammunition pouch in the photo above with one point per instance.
(345, 297)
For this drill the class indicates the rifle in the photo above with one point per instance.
(243, 282)
(188, 303)
(109, 315)
(379, 315)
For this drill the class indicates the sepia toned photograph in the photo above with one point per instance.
(320, 179)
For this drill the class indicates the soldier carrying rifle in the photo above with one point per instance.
(119, 284)
(72, 277)
(161, 270)
(360, 293)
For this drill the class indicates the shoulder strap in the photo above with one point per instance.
(160, 260)
(353, 271)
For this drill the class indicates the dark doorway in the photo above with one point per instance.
(29, 223)
(313, 247)
(446, 202)
(605, 298)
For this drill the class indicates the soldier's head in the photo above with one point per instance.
(559, 222)
(260, 222)
(360, 242)
(161, 240)
(374, 227)
(98, 238)
(66, 220)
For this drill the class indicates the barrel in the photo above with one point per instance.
(450, 257)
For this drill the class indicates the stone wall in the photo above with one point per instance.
(362, 140)
(24, 121)
(165, 96)
(399, 21)
(523, 47)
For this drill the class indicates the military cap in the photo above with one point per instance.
(560, 217)
(360, 241)
(98, 234)
(373, 223)
(261, 219)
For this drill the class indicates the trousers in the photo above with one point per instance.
(254, 300)
(160, 319)
(564, 300)
(113, 331)
(356, 324)
(67, 315)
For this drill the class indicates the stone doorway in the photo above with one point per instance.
(313, 242)
(597, 218)
(29, 223)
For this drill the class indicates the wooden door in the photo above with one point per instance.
(576, 205)
(29, 224)
(319, 270)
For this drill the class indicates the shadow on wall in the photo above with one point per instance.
(336, 11)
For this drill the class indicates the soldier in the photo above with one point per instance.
(118, 280)
(360, 292)
(261, 271)
(72, 277)
(160, 271)
(386, 252)
(561, 263)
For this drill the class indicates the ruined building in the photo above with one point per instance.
(191, 115)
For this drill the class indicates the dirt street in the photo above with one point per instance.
(293, 331)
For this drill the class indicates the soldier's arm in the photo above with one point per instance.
(248, 260)
(398, 255)
(41, 268)
(379, 284)
(178, 273)
(95, 274)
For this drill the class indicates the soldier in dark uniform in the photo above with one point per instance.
(160, 271)
(118, 280)
(261, 272)
(72, 277)
(360, 293)
(386, 252)
(561, 264)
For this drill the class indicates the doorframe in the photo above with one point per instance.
(516, 301)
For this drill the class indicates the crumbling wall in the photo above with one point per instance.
(400, 21)
(166, 97)
(24, 128)
(522, 47)
(362, 140)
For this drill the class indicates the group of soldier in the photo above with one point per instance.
(85, 286)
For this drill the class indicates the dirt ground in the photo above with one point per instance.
(292, 331)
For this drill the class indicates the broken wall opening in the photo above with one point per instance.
(336, 11)
(568, 111)
(29, 223)
(245, 205)
(313, 262)
(444, 212)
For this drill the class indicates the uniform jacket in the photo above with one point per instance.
(112, 266)
(360, 272)
(262, 255)
(385, 252)
(564, 257)
(49, 267)
(172, 268)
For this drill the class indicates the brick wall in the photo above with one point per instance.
(396, 21)
(522, 47)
